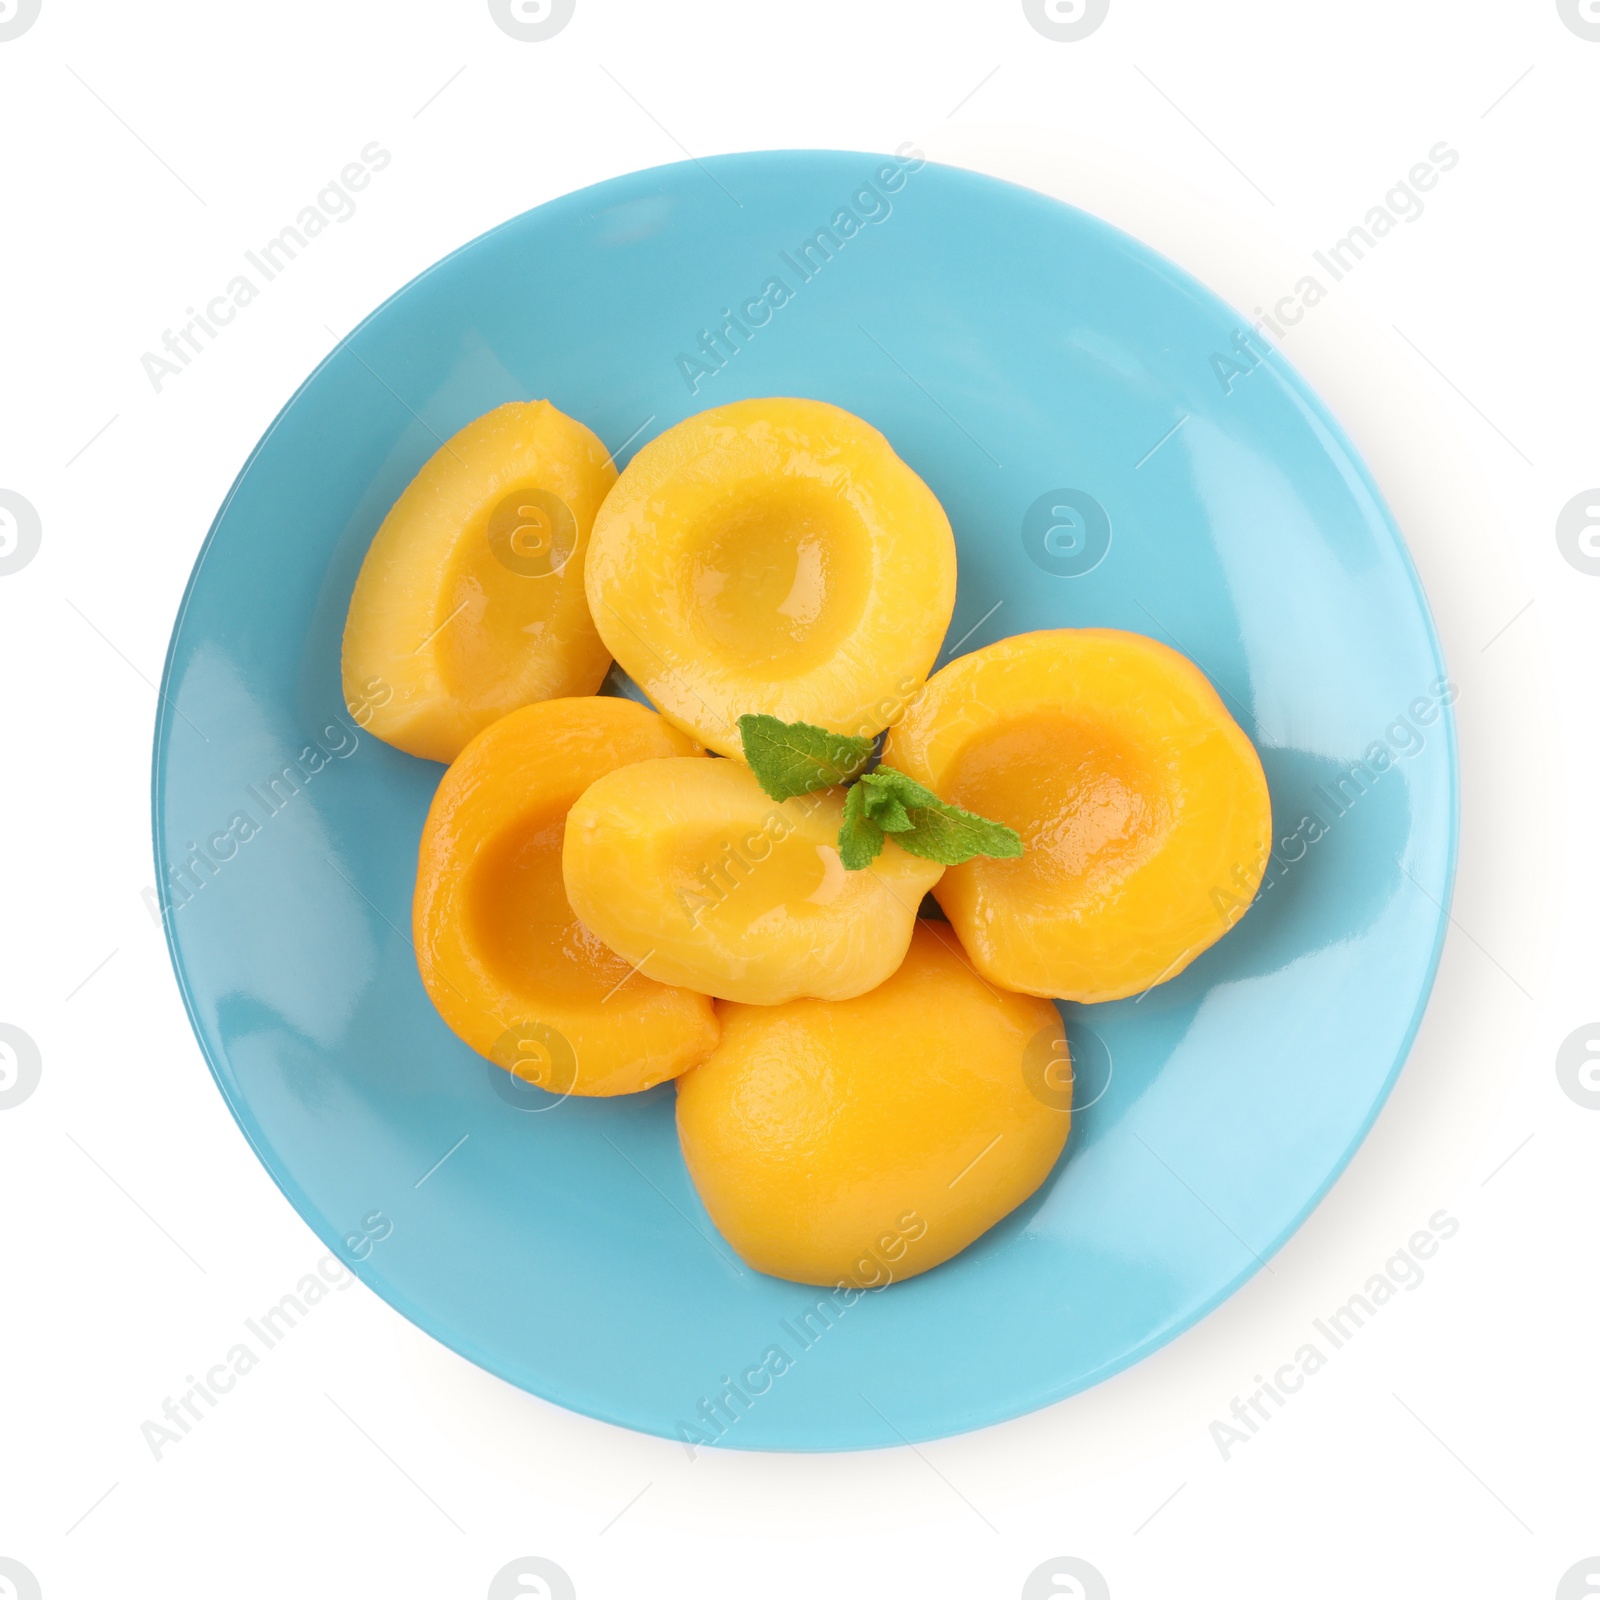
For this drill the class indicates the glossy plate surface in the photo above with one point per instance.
(1109, 455)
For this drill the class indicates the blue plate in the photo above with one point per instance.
(1111, 452)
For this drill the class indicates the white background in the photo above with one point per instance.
(1448, 1449)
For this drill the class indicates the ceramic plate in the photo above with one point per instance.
(1112, 452)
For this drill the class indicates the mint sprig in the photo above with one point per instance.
(860, 837)
(920, 822)
(795, 758)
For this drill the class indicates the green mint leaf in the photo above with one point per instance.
(893, 787)
(884, 806)
(932, 829)
(950, 836)
(794, 758)
(860, 838)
